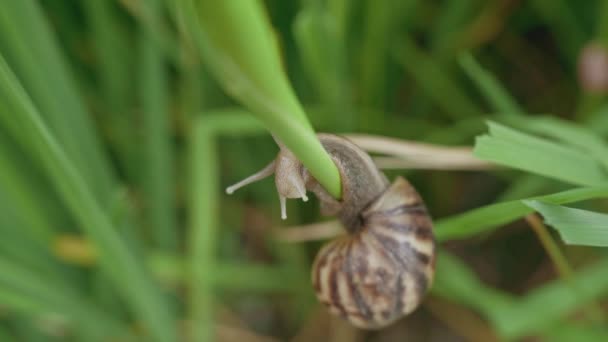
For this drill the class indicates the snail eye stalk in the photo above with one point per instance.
(267, 171)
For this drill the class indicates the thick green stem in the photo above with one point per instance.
(237, 42)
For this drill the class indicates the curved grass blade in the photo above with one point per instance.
(491, 216)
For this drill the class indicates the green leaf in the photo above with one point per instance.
(488, 217)
(573, 134)
(575, 226)
(514, 149)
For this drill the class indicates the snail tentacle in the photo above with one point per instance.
(289, 179)
(267, 171)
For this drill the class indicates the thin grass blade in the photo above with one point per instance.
(493, 91)
(158, 173)
(202, 235)
(18, 113)
(491, 216)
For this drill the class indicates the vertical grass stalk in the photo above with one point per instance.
(203, 206)
(158, 174)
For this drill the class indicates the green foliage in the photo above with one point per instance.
(118, 133)
(119, 262)
(496, 95)
(576, 226)
(489, 217)
(158, 184)
(525, 152)
(237, 41)
(544, 307)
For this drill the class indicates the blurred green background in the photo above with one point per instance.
(116, 142)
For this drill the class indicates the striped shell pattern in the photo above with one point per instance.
(381, 272)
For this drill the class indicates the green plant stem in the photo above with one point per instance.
(593, 309)
(202, 239)
(237, 41)
(556, 256)
(158, 177)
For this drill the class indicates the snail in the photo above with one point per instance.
(381, 270)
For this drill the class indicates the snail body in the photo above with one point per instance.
(381, 270)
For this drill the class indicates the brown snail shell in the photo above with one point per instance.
(381, 270)
(380, 273)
